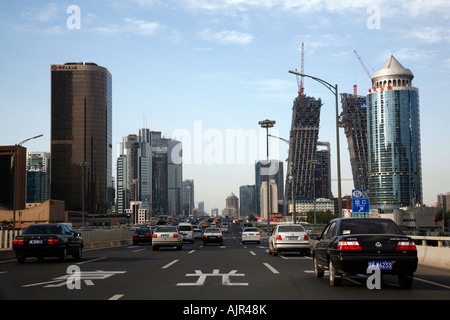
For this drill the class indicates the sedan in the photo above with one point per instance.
(167, 236)
(142, 235)
(359, 245)
(48, 240)
(212, 235)
(251, 235)
(291, 237)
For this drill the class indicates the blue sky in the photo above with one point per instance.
(211, 67)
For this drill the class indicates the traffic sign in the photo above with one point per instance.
(357, 194)
(360, 205)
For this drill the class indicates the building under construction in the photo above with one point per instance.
(303, 147)
(354, 121)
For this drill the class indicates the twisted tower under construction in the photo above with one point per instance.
(303, 147)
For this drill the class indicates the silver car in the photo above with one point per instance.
(167, 236)
(291, 237)
(251, 235)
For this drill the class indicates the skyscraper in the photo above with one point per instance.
(393, 135)
(38, 177)
(263, 172)
(81, 137)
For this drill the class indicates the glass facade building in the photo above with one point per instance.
(81, 137)
(393, 134)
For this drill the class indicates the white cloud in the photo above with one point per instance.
(143, 27)
(226, 36)
(44, 14)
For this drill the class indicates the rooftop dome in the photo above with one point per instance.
(393, 69)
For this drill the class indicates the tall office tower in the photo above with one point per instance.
(303, 147)
(247, 198)
(263, 172)
(81, 136)
(354, 120)
(38, 177)
(232, 203)
(273, 198)
(322, 172)
(134, 179)
(393, 135)
(188, 197)
(174, 177)
(8, 164)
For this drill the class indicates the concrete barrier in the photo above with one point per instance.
(434, 256)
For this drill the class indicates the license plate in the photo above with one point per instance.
(213, 237)
(292, 238)
(35, 241)
(383, 265)
(164, 236)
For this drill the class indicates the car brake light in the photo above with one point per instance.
(53, 241)
(154, 235)
(244, 234)
(257, 234)
(175, 235)
(147, 235)
(279, 237)
(306, 237)
(135, 235)
(406, 245)
(18, 242)
(348, 245)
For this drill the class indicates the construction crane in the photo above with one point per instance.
(362, 63)
(300, 79)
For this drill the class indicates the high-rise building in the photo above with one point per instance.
(303, 147)
(354, 121)
(247, 198)
(12, 158)
(38, 177)
(264, 171)
(393, 135)
(232, 203)
(273, 199)
(322, 172)
(81, 137)
(188, 197)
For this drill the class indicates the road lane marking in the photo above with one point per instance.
(252, 253)
(431, 282)
(271, 268)
(191, 251)
(138, 250)
(116, 297)
(87, 261)
(225, 278)
(169, 264)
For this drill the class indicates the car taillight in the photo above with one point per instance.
(53, 241)
(406, 245)
(154, 235)
(257, 234)
(220, 237)
(18, 242)
(348, 245)
(135, 235)
(147, 235)
(279, 237)
(175, 235)
(244, 234)
(306, 237)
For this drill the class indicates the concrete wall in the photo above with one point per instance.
(434, 256)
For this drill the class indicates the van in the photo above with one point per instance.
(186, 231)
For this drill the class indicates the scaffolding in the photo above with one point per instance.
(354, 122)
(303, 147)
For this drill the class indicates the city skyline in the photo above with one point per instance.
(208, 68)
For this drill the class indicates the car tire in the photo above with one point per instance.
(405, 280)
(63, 255)
(79, 252)
(318, 272)
(335, 277)
(155, 247)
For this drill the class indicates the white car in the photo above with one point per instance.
(292, 237)
(186, 231)
(166, 236)
(251, 235)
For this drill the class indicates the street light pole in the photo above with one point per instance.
(334, 90)
(267, 124)
(14, 180)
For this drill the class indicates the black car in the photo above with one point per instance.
(142, 235)
(353, 245)
(48, 240)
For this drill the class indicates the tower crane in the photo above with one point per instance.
(362, 63)
(300, 79)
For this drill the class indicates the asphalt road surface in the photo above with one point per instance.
(232, 272)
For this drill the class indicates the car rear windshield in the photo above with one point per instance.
(166, 229)
(43, 229)
(250, 230)
(297, 228)
(369, 226)
(142, 230)
(185, 228)
(212, 230)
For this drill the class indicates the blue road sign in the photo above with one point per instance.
(360, 205)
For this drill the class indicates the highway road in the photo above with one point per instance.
(232, 272)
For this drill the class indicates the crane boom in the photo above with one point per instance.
(362, 63)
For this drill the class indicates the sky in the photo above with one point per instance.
(206, 71)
